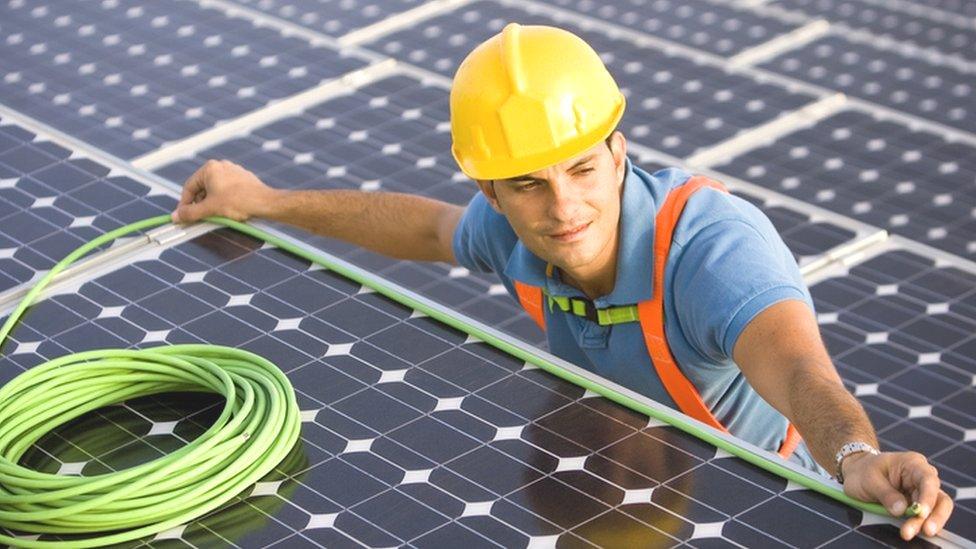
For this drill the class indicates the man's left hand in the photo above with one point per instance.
(896, 480)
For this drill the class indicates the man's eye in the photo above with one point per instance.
(527, 186)
(584, 171)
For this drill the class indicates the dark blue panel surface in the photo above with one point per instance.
(935, 92)
(720, 28)
(52, 201)
(675, 104)
(900, 329)
(912, 182)
(331, 17)
(131, 76)
(898, 25)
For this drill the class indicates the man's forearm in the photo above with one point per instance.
(399, 225)
(827, 416)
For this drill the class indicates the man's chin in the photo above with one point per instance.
(572, 259)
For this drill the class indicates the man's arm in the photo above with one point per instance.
(783, 357)
(398, 225)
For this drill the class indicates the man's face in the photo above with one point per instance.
(567, 214)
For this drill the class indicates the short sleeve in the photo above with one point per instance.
(483, 239)
(725, 275)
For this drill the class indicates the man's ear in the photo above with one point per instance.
(618, 150)
(488, 188)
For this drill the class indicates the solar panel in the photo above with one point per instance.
(51, 202)
(919, 28)
(722, 29)
(332, 17)
(910, 181)
(677, 104)
(940, 93)
(412, 433)
(131, 76)
(962, 7)
(899, 326)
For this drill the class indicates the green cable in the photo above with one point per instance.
(257, 428)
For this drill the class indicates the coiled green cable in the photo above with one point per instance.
(257, 428)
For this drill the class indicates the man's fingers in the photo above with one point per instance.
(193, 186)
(910, 527)
(188, 213)
(939, 515)
(197, 183)
(886, 494)
(925, 479)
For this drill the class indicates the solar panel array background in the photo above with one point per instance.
(131, 76)
(677, 104)
(889, 322)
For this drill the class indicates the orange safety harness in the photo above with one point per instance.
(651, 315)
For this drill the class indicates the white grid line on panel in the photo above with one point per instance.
(265, 115)
(766, 133)
(860, 35)
(785, 42)
(400, 20)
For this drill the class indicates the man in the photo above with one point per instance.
(663, 283)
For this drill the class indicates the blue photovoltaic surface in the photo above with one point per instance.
(890, 23)
(130, 76)
(912, 182)
(719, 28)
(52, 202)
(332, 17)
(935, 92)
(675, 104)
(900, 329)
(412, 434)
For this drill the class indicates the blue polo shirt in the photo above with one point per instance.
(727, 264)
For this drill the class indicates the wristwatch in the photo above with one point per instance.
(850, 449)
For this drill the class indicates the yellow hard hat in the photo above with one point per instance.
(527, 98)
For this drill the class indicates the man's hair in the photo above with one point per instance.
(610, 138)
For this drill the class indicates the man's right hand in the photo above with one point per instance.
(222, 188)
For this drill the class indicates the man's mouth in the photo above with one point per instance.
(571, 234)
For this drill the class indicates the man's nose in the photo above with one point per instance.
(565, 200)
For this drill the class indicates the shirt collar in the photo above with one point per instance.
(635, 247)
